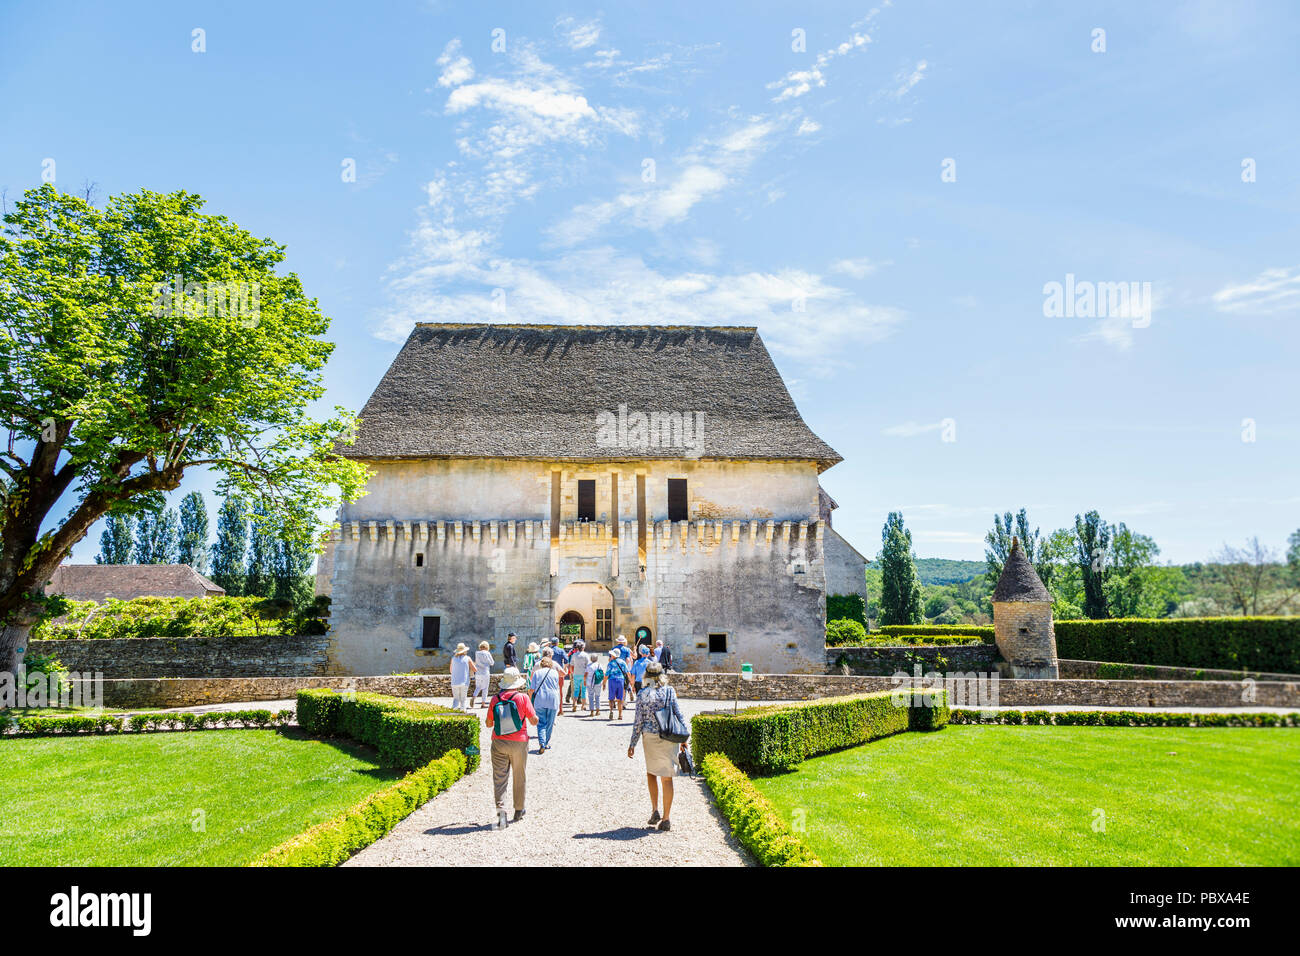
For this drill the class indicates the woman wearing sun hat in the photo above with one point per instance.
(531, 658)
(508, 716)
(460, 670)
(660, 754)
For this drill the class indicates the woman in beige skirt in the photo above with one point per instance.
(660, 754)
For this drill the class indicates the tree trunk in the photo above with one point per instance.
(13, 639)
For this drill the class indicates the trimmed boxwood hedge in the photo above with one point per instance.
(332, 842)
(1122, 718)
(754, 821)
(777, 738)
(1226, 643)
(984, 632)
(406, 733)
(61, 725)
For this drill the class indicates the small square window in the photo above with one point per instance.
(717, 643)
(419, 560)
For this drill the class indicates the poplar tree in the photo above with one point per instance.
(900, 588)
(231, 544)
(193, 545)
(116, 543)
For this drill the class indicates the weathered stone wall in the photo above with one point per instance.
(845, 568)
(1028, 694)
(192, 656)
(885, 661)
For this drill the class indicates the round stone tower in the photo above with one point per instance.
(1022, 620)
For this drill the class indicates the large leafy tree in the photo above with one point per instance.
(155, 537)
(192, 545)
(113, 387)
(900, 588)
(998, 546)
(231, 543)
(115, 543)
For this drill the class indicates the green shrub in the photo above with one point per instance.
(49, 669)
(332, 842)
(1225, 643)
(773, 739)
(1122, 718)
(845, 633)
(909, 631)
(846, 607)
(754, 821)
(406, 733)
(318, 712)
(179, 617)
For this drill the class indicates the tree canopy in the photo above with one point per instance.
(139, 341)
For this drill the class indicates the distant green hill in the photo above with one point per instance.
(945, 571)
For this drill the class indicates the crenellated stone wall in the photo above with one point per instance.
(759, 582)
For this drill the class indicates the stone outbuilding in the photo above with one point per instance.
(123, 582)
(584, 481)
(1022, 620)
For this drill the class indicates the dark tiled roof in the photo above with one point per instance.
(99, 582)
(534, 391)
(1019, 580)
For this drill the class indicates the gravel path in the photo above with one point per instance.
(587, 805)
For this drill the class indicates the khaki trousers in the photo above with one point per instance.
(508, 760)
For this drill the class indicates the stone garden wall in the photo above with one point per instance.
(1090, 670)
(187, 692)
(884, 661)
(191, 656)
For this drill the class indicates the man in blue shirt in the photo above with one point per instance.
(638, 669)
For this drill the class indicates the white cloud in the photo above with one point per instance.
(579, 35)
(796, 83)
(1272, 291)
(456, 69)
(808, 127)
(702, 172)
(858, 268)
(450, 276)
(911, 429)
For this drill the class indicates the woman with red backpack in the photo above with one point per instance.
(508, 715)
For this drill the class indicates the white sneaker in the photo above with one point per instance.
(502, 820)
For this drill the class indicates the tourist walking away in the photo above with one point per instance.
(656, 705)
(579, 664)
(509, 654)
(664, 656)
(508, 715)
(547, 695)
(638, 668)
(532, 657)
(616, 676)
(482, 673)
(595, 683)
(460, 668)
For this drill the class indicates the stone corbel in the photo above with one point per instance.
(771, 529)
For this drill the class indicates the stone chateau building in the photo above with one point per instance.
(651, 481)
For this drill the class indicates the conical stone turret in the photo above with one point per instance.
(1022, 620)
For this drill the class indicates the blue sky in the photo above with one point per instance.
(799, 190)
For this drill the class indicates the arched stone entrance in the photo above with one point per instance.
(591, 605)
(572, 626)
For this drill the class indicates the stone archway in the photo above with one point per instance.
(568, 621)
(592, 605)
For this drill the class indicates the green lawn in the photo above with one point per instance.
(997, 795)
(131, 798)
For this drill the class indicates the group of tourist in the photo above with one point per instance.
(535, 693)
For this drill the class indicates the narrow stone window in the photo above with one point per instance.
(419, 559)
(677, 499)
(604, 623)
(432, 633)
(717, 643)
(586, 499)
